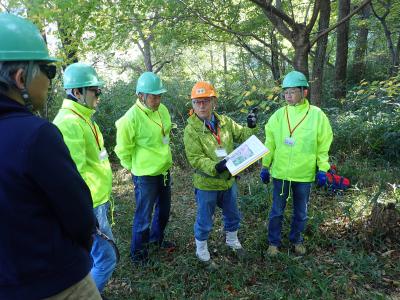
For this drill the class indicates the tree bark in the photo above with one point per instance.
(360, 52)
(394, 52)
(67, 42)
(320, 55)
(342, 50)
(276, 73)
(224, 56)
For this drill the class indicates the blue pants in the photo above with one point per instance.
(103, 255)
(206, 203)
(151, 192)
(300, 195)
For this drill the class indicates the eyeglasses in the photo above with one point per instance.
(96, 91)
(48, 70)
(291, 92)
(201, 102)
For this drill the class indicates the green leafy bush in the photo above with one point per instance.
(368, 123)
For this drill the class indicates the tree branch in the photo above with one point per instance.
(270, 9)
(5, 7)
(314, 16)
(362, 4)
(161, 66)
(252, 52)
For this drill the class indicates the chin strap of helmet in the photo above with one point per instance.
(24, 91)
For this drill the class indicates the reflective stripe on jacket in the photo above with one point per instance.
(140, 146)
(73, 120)
(312, 140)
(200, 146)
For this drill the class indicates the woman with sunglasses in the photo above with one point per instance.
(47, 226)
(208, 138)
(85, 143)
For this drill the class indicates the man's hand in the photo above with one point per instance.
(251, 120)
(265, 176)
(221, 166)
(320, 178)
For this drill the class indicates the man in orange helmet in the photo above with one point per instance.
(208, 139)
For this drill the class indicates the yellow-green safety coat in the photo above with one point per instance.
(312, 140)
(200, 146)
(143, 140)
(79, 133)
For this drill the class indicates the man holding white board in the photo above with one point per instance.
(208, 139)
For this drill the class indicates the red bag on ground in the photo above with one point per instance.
(336, 182)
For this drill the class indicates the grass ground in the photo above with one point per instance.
(344, 260)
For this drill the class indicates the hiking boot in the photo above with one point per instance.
(168, 245)
(272, 251)
(299, 249)
(140, 259)
(202, 251)
(232, 240)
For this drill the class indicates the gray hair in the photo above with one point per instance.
(8, 68)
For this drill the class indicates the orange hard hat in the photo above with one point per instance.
(203, 89)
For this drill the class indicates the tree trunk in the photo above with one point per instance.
(225, 67)
(276, 74)
(397, 55)
(301, 44)
(360, 52)
(147, 55)
(320, 55)
(68, 46)
(342, 50)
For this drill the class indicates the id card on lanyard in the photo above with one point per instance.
(220, 152)
(165, 137)
(290, 141)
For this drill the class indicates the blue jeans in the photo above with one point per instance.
(151, 192)
(300, 195)
(103, 255)
(206, 203)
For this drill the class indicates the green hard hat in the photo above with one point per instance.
(21, 40)
(149, 83)
(294, 79)
(80, 75)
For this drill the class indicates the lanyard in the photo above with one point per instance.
(161, 125)
(94, 130)
(287, 116)
(215, 134)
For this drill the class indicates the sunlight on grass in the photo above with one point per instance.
(343, 261)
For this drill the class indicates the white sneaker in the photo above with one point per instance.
(232, 240)
(202, 251)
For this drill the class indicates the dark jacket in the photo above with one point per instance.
(45, 208)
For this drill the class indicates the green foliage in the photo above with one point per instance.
(368, 122)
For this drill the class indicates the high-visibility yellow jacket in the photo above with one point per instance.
(311, 141)
(200, 146)
(79, 133)
(143, 140)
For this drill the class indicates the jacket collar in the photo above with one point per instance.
(198, 124)
(8, 105)
(79, 108)
(299, 108)
(144, 108)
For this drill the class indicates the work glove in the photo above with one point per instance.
(251, 120)
(320, 178)
(221, 166)
(265, 176)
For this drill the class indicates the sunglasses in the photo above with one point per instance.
(96, 91)
(49, 70)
